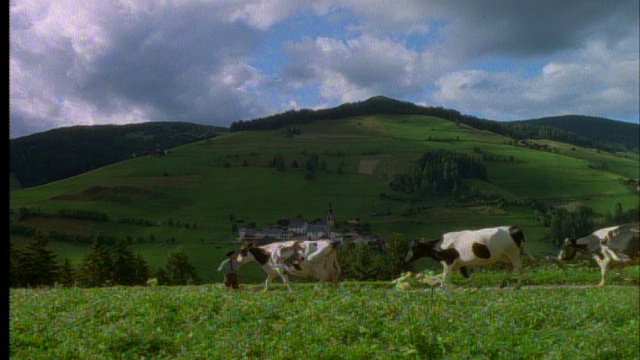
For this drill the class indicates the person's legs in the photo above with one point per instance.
(233, 281)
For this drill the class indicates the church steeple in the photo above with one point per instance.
(330, 216)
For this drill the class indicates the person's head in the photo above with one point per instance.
(231, 254)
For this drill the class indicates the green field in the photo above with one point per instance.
(201, 184)
(554, 316)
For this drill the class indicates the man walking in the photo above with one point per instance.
(231, 269)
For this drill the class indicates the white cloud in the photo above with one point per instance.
(358, 68)
(585, 82)
(390, 17)
(262, 14)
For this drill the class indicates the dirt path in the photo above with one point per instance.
(367, 166)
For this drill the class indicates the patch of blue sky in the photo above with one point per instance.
(526, 69)
(419, 41)
(272, 56)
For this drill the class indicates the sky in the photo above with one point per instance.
(78, 62)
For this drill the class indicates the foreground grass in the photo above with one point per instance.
(354, 320)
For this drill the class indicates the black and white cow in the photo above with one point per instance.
(619, 243)
(307, 259)
(483, 247)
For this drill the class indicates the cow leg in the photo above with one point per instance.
(515, 260)
(446, 270)
(334, 272)
(604, 264)
(266, 283)
(284, 277)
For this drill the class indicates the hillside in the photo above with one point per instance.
(199, 194)
(60, 153)
(603, 132)
(57, 154)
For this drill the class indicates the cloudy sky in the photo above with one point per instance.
(78, 62)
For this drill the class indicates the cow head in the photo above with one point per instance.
(250, 252)
(244, 255)
(569, 249)
(420, 249)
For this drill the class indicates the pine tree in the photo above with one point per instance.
(124, 263)
(396, 249)
(97, 267)
(179, 270)
(67, 273)
(37, 265)
(141, 270)
(15, 276)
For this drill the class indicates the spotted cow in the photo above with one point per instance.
(614, 244)
(316, 260)
(483, 247)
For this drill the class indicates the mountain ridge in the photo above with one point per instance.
(59, 153)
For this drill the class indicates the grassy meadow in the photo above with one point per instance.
(197, 187)
(472, 319)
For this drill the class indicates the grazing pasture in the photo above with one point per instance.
(189, 195)
(554, 315)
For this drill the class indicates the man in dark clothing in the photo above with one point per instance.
(231, 270)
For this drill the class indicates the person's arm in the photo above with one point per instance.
(221, 268)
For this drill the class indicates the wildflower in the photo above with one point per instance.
(403, 286)
(432, 280)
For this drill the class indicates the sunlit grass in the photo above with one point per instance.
(351, 321)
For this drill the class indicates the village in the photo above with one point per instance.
(300, 229)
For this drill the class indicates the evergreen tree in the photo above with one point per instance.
(396, 249)
(617, 215)
(125, 263)
(311, 166)
(142, 272)
(278, 162)
(97, 267)
(565, 224)
(438, 171)
(37, 265)
(67, 273)
(15, 277)
(179, 270)
(162, 276)
(358, 262)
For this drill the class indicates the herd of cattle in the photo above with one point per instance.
(454, 250)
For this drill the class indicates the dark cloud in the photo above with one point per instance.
(160, 64)
(536, 28)
(167, 62)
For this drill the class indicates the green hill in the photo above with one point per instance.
(200, 193)
(616, 135)
(601, 133)
(60, 153)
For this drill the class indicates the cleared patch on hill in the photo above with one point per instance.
(367, 167)
(62, 225)
(452, 214)
(120, 194)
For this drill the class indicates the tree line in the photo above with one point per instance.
(564, 223)
(114, 263)
(383, 105)
(438, 171)
(35, 265)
